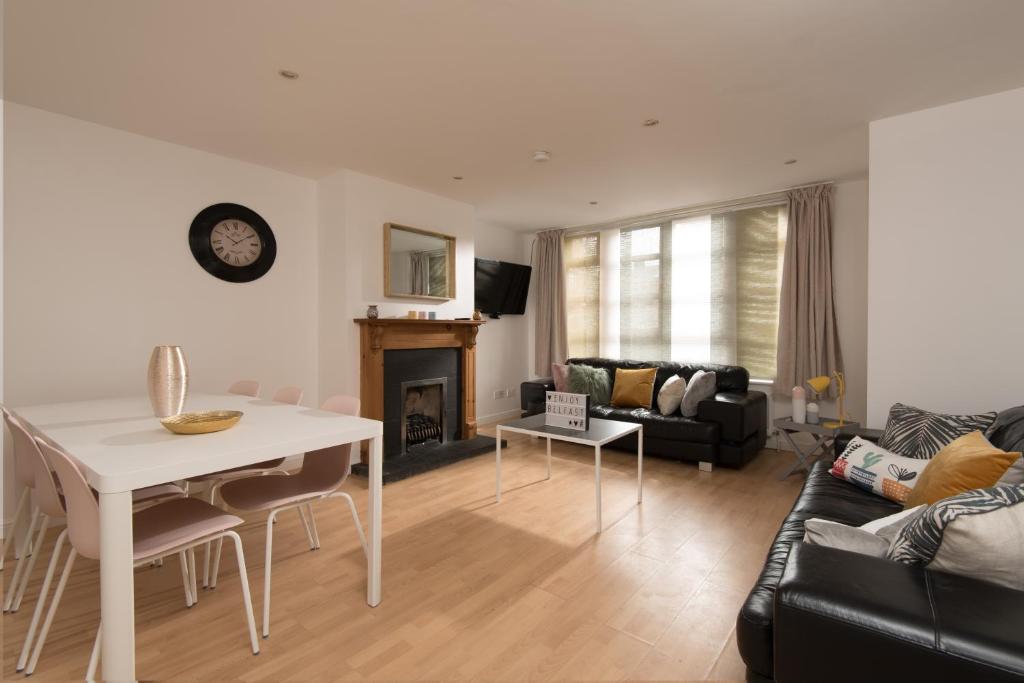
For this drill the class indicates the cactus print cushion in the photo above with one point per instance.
(918, 433)
(978, 533)
(875, 469)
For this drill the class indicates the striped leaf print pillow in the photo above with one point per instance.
(978, 533)
(917, 433)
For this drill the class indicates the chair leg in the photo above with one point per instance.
(12, 530)
(207, 549)
(41, 601)
(192, 574)
(37, 549)
(20, 566)
(243, 577)
(305, 526)
(185, 580)
(266, 573)
(216, 562)
(355, 518)
(54, 604)
(312, 526)
(94, 658)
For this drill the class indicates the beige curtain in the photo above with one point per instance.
(808, 342)
(419, 272)
(551, 325)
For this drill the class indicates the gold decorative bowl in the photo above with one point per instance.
(202, 423)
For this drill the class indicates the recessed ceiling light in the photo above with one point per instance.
(789, 162)
(287, 73)
(540, 156)
(456, 177)
(593, 203)
(649, 123)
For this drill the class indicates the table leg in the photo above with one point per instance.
(597, 483)
(373, 580)
(640, 466)
(117, 586)
(549, 458)
(497, 469)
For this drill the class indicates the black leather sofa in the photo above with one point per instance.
(728, 430)
(818, 613)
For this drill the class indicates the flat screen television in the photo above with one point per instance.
(501, 287)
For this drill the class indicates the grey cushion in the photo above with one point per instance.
(671, 395)
(873, 538)
(701, 386)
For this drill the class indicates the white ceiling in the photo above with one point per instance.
(417, 91)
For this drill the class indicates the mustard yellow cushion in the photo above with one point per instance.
(968, 463)
(633, 388)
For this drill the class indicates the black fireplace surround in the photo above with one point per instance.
(409, 365)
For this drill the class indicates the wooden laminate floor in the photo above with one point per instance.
(472, 590)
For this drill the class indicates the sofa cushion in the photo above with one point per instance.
(657, 426)
(586, 379)
(678, 427)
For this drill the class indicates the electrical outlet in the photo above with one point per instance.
(499, 394)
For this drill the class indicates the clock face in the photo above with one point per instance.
(235, 242)
(232, 242)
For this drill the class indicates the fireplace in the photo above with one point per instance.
(418, 377)
(423, 414)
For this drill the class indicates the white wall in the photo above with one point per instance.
(98, 268)
(353, 210)
(503, 345)
(946, 237)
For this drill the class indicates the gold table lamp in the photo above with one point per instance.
(820, 385)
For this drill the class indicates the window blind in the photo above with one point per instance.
(701, 288)
(582, 287)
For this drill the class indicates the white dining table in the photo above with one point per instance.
(121, 446)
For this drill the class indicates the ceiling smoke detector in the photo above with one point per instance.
(593, 203)
(650, 123)
(540, 156)
(289, 74)
(456, 177)
(789, 162)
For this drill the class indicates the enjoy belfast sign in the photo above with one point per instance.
(570, 411)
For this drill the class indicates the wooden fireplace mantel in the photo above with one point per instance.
(377, 335)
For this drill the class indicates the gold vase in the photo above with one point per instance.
(168, 380)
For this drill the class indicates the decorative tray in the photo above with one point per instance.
(202, 423)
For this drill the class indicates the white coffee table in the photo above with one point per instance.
(600, 433)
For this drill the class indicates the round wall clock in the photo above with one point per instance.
(232, 242)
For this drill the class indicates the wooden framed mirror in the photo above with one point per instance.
(418, 264)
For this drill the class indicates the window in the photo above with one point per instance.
(702, 288)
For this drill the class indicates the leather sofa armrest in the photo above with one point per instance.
(531, 395)
(905, 622)
(739, 414)
(846, 435)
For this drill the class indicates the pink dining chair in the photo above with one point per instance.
(25, 476)
(322, 473)
(26, 471)
(169, 528)
(47, 497)
(290, 395)
(245, 387)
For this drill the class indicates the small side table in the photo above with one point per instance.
(824, 438)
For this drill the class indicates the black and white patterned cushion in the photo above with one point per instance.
(917, 433)
(919, 542)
